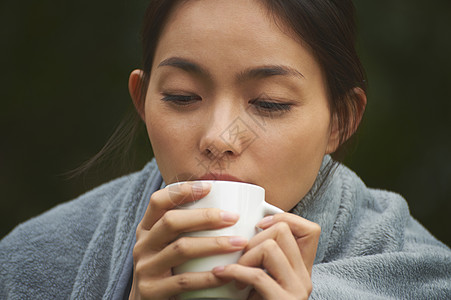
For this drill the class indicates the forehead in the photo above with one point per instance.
(219, 12)
(240, 28)
(233, 19)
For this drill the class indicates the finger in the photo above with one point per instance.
(306, 233)
(256, 277)
(188, 248)
(174, 285)
(175, 222)
(281, 233)
(170, 197)
(269, 255)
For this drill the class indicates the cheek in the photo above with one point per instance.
(307, 147)
(165, 144)
(294, 159)
(159, 128)
(304, 136)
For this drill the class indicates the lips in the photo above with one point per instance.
(223, 177)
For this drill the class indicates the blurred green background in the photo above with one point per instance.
(64, 72)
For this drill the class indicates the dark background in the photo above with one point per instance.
(64, 68)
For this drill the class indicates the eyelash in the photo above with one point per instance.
(180, 99)
(263, 106)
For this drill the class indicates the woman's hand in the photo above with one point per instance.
(286, 248)
(158, 247)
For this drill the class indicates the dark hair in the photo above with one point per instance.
(327, 27)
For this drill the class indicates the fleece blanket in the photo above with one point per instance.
(370, 247)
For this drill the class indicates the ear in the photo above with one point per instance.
(359, 97)
(135, 89)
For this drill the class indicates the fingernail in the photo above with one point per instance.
(237, 241)
(218, 269)
(229, 216)
(265, 221)
(198, 189)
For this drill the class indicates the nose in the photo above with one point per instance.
(226, 135)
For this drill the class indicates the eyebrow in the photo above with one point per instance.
(268, 71)
(251, 73)
(185, 65)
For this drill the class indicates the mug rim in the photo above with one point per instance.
(212, 181)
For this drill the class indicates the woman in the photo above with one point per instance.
(254, 91)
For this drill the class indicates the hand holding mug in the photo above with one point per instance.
(286, 250)
(246, 200)
(203, 235)
(158, 248)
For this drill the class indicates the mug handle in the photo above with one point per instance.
(269, 209)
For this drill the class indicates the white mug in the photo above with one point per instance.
(247, 200)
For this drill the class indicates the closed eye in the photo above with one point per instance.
(272, 106)
(180, 99)
(268, 106)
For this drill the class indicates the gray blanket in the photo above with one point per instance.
(370, 247)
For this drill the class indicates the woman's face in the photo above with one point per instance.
(233, 97)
